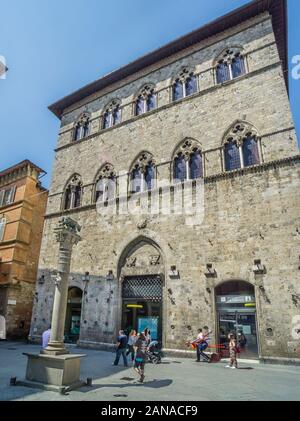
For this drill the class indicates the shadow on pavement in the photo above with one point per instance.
(154, 384)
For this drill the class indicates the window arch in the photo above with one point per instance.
(241, 147)
(82, 127)
(106, 184)
(230, 65)
(184, 85)
(112, 114)
(188, 161)
(146, 100)
(142, 175)
(73, 193)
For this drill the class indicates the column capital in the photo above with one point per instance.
(67, 232)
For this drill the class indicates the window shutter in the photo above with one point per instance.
(2, 228)
(12, 194)
(1, 197)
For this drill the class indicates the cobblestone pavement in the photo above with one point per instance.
(174, 379)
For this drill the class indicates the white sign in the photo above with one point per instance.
(12, 302)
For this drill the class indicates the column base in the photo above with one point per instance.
(53, 372)
(55, 348)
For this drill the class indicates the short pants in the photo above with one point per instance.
(139, 362)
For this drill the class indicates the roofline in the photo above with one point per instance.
(20, 165)
(277, 9)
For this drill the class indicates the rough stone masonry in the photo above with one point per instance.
(250, 230)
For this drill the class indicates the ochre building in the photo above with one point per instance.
(204, 121)
(22, 207)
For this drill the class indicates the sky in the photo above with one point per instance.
(54, 47)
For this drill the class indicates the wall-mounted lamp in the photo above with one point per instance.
(173, 273)
(86, 280)
(259, 268)
(210, 272)
(42, 280)
(110, 276)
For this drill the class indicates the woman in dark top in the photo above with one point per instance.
(140, 356)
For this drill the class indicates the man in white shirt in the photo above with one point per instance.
(46, 337)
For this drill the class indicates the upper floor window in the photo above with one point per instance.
(82, 127)
(230, 65)
(106, 184)
(184, 85)
(142, 175)
(2, 228)
(73, 193)
(188, 162)
(7, 196)
(242, 147)
(112, 114)
(146, 100)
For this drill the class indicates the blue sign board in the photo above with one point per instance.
(151, 323)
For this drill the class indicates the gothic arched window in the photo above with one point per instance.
(112, 114)
(180, 167)
(188, 162)
(196, 166)
(82, 127)
(230, 65)
(142, 176)
(184, 85)
(232, 156)
(146, 100)
(106, 184)
(73, 193)
(250, 151)
(242, 147)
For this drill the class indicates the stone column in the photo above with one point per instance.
(66, 235)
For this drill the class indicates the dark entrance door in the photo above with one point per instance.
(73, 315)
(142, 304)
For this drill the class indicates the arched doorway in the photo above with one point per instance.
(236, 313)
(73, 315)
(141, 270)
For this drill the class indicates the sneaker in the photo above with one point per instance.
(228, 366)
(233, 367)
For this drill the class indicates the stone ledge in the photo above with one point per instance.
(51, 388)
(280, 361)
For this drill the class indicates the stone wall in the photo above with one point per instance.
(249, 214)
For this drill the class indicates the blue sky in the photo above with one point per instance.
(53, 47)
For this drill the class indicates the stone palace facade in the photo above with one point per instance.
(207, 115)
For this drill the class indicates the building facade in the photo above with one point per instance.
(22, 208)
(207, 116)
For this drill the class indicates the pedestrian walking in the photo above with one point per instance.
(201, 343)
(130, 344)
(233, 351)
(46, 337)
(121, 348)
(140, 356)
